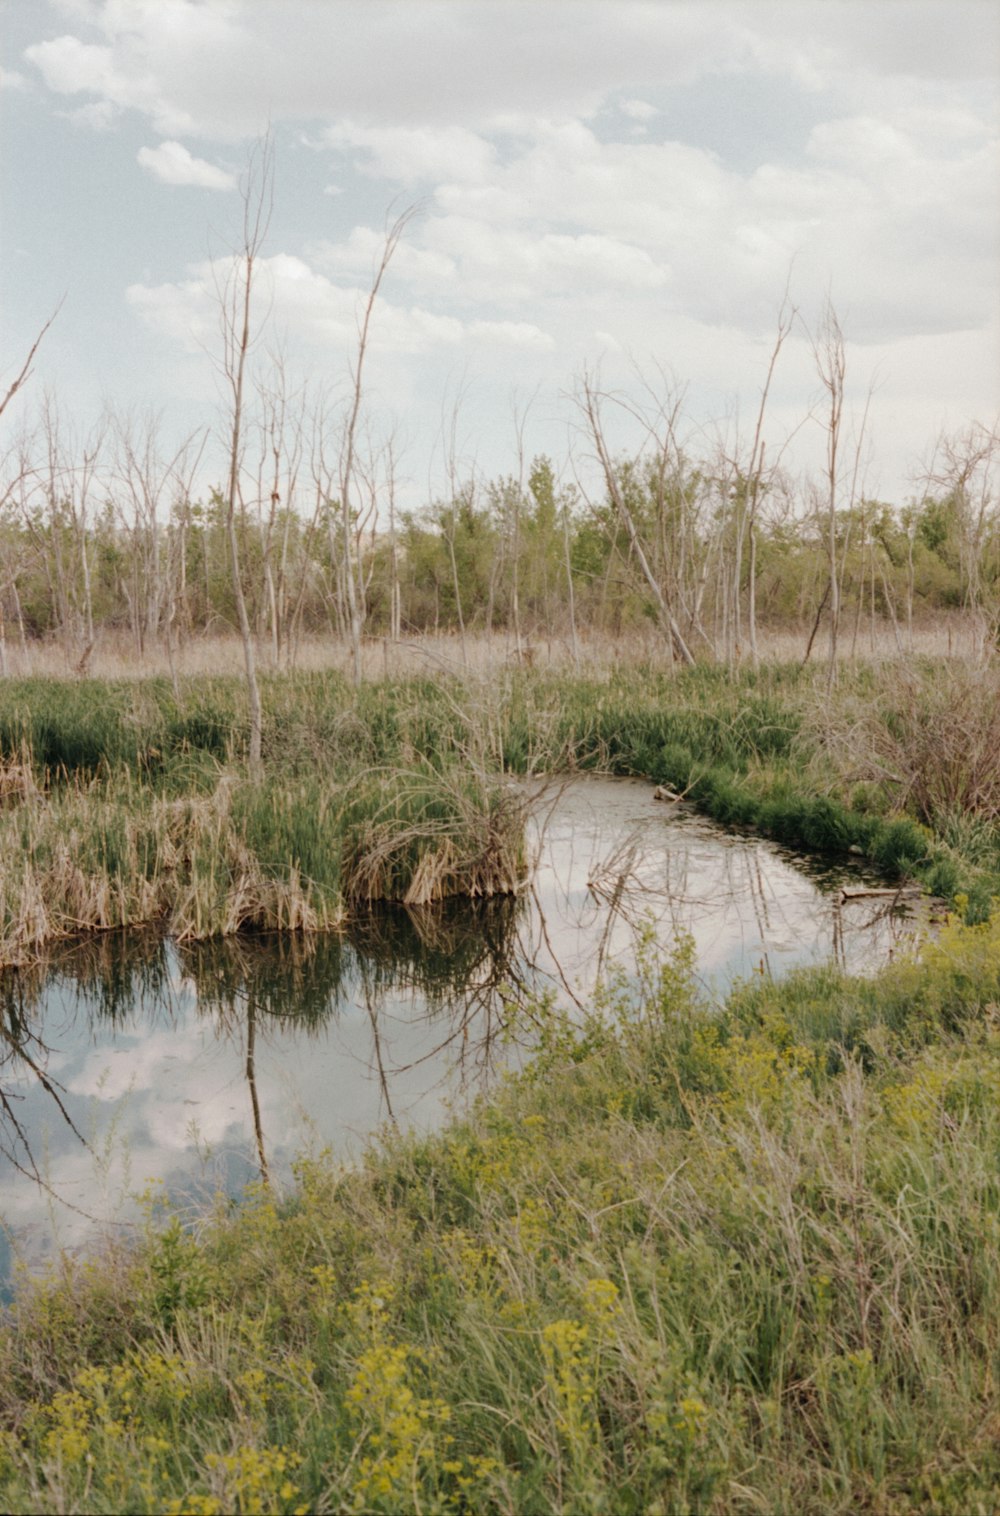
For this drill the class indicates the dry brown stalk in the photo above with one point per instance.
(932, 736)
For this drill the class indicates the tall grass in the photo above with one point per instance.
(124, 804)
(420, 836)
(115, 657)
(689, 1261)
(274, 857)
(929, 735)
(685, 1263)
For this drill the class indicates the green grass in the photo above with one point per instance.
(124, 807)
(383, 793)
(757, 750)
(687, 1262)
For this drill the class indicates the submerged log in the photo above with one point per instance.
(899, 892)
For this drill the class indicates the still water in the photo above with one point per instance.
(129, 1059)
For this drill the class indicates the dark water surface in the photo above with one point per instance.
(128, 1059)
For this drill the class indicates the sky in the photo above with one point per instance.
(623, 188)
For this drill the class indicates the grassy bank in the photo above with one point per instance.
(124, 804)
(898, 766)
(738, 1262)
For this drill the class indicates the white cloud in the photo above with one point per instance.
(520, 334)
(638, 110)
(69, 66)
(223, 68)
(572, 200)
(421, 268)
(122, 77)
(413, 155)
(875, 207)
(185, 311)
(97, 116)
(520, 265)
(11, 79)
(323, 315)
(86, 11)
(173, 164)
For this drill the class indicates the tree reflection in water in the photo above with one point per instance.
(22, 1050)
(462, 961)
(432, 990)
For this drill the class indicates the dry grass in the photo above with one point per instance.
(931, 736)
(393, 792)
(17, 779)
(80, 861)
(114, 656)
(296, 856)
(956, 635)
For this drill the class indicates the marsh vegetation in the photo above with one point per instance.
(208, 1063)
(128, 804)
(689, 1258)
(273, 722)
(696, 1253)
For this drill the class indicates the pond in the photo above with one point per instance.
(128, 1059)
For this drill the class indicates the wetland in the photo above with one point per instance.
(400, 1129)
(131, 1059)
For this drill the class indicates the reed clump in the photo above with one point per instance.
(709, 1262)
(279, 856)
(418, 837)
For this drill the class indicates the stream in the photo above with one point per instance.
(127, 1059)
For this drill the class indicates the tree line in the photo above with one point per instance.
(103, 534)
(709, 541)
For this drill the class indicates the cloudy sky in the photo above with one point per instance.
(622, 184)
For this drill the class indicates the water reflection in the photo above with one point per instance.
(23, 1051)
(203, 1065)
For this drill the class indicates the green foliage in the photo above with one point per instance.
(515, 549)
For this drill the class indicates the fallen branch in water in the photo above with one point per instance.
(898, 892)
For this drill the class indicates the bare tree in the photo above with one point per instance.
(589, 400)
(234, 293)
(830, 356)
(831, 364)
(15, 487)
(25, 370)
(449, 514)
(150, 481)
(20, 549)
(743, 480)
(395, 596)
(353, 571)
(756, 479)
(55, 510)
(519, 415)
(281, 441)
(964, 469)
